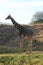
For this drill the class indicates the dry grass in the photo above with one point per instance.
(35, 58)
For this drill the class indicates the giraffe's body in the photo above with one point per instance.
(23, 31)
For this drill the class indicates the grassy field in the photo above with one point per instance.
(35, 58)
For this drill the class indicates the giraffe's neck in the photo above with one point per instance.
(15, 23)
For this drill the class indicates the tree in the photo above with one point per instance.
(37, 17)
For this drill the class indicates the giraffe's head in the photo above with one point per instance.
(8, 17)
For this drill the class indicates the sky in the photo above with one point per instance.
(21, 10)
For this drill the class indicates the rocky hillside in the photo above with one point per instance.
(9, 37)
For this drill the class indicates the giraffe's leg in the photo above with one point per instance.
(30, 44)
(21, 44)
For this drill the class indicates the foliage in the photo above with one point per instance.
(37, 18)
(21, 59)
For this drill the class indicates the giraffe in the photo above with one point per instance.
(23, 31)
